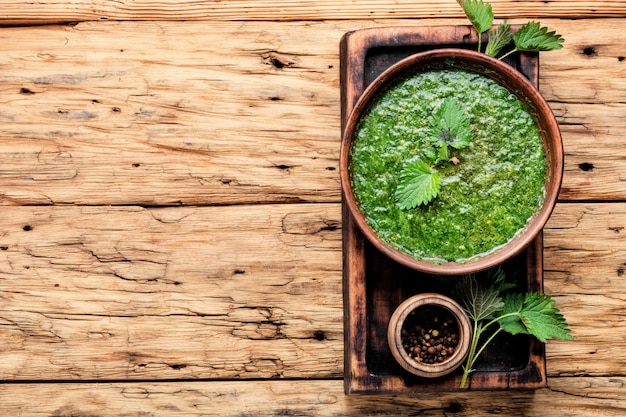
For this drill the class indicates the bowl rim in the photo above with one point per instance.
(399, 317)
(516, 83)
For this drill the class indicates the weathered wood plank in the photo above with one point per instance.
(127, 293)
(570, 75)
(584, 83)
(584, 264)
(50, 11)
(566, 397)
(208, 120)
(239, 112)
(584, 249)
(242, 291)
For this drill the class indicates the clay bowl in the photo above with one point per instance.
(402, 317)
(516, 83)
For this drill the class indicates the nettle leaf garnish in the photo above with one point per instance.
(419, 184)
(534, 314)
(419, 181)
(480, 14)
(451, 126)
(480, 301)
(531, 37)
(487, 306)
(498, 39)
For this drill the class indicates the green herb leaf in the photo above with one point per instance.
(529, 313)
(442, 154)
(437, 153)
(451, 126)
(479, 13)
(479, 300)
(534, 38)
(499, 38)
(498, 280)
(533, 314)
(419, 184)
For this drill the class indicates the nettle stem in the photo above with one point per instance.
(473, 355)
(507, 54)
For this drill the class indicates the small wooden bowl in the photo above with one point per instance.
(399, 318)
(516, 83)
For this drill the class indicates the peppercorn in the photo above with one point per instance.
(430, 334)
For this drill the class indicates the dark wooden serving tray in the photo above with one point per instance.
(374, 285)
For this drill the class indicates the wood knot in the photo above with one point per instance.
(279, 60)
(590, 51)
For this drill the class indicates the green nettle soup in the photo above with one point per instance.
(487, 194)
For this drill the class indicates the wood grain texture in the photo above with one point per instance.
(243, 292)
(51, 11)
(584, 270)
(568, 397)
(147, 154)
(242, 112)
(134, 293)
(215, 123)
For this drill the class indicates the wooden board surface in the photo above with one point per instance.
(170, 292)
(577, 396)
(172, 117)
(188, 292)
(170, 240)
(50, 11)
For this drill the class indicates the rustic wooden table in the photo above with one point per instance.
(171, 242)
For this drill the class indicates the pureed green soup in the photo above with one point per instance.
(485, 199)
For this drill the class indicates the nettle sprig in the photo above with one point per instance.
(420, 181)
(531, 37)
(489, 306)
